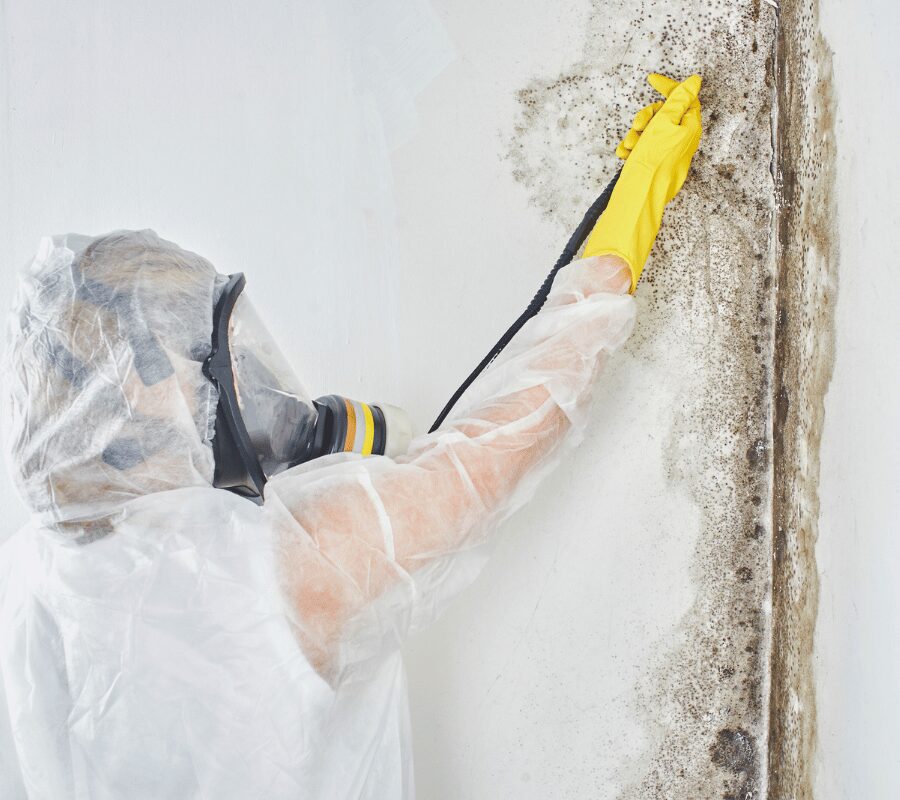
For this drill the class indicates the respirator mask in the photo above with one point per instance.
(265, 420)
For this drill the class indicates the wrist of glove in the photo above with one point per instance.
(657, 151)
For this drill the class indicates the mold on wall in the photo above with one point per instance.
(706, 311)
(806, 255)
(739, 295)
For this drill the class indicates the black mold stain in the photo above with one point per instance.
(756, 453)
(736, 305)
(706, 305)
(734, 750)
(804, 341)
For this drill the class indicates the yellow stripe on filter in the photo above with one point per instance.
(370, 430)
(350, 438)
(363, 428)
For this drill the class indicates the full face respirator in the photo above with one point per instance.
(265, 420)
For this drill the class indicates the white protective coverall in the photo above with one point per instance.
(160, 638)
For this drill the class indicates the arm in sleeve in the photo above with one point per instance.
(369, 549)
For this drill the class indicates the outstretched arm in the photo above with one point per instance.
(356, 531)
(381, 544)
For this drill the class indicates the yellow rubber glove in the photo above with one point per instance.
(657, 151)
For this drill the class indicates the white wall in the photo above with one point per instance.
(281, 139)
(858, 551)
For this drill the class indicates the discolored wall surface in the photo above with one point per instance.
(717, 411)
(656, 682)
(807, 262)
(706, 330)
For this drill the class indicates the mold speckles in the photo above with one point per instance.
(734, 750)
(756, 453)
(804, 336)
(706, 302)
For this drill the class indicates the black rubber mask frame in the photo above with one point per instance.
(237, 466)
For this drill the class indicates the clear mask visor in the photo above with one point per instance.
(276, 408)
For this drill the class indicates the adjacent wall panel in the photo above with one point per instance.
(857, 649)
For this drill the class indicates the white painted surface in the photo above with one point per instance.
(260, 137)
(858, 552)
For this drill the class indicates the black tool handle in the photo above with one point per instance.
(571, 249)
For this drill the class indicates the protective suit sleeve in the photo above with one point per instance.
(370, 549)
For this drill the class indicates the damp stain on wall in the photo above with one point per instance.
(807, 260)
(715, 314)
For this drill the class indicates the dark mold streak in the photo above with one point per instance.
(715, 301)
(694, 301)
(806, 259)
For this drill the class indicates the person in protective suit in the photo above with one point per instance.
(162, 637)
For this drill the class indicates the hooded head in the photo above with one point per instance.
(107, 400)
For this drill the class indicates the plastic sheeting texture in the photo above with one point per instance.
(166, 639)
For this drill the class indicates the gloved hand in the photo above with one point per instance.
(657, 151)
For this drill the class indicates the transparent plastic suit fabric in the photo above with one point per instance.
(107, 400)
(161, 638)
